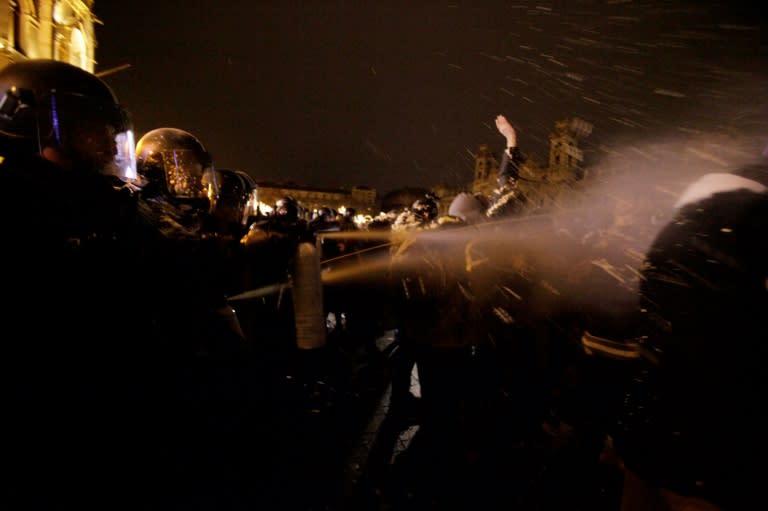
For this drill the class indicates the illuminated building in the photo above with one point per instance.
(362, 198)
(53, 29)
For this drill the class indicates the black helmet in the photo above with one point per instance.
(287, 209)
(178, 163)
(252, 191)
(425, 209)
(48, 103)
(237, 197)
(325, 214)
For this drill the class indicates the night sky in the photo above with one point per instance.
(390, 94)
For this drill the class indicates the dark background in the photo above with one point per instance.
(391, 94)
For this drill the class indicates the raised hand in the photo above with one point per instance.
(506, 129)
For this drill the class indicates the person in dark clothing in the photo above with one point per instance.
(181, 193)
(687, 359)
(77, 362)
(236, 205)
(439, 295)
(101, 296)
(442, 308)
(421, 216)
(684, 435)
(276, 238)
(325, 219)
(213, 386)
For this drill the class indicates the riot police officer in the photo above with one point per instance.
(180, 194)
(236, 207)
(179, 181)
(77, 359)
(211, 403)
(422, 214)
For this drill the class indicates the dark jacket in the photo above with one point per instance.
(694, 418)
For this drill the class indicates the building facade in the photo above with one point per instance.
(49, 29)
(361, 198)
(486, 170)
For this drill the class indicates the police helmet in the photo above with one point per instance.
(238, 197)
(252, 191)
(325, 214)
(177, 162)
(47, 103)
(425, 208)
(287, 209)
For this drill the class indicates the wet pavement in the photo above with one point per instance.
(402, 459)
(319, 434)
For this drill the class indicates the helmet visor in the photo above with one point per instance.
(125, 159)
(186, 176)
(252, 206)
(96, 134)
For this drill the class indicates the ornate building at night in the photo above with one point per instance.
(52, 29)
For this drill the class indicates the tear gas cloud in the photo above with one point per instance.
(586, 250)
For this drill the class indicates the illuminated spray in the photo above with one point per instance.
(586, 248)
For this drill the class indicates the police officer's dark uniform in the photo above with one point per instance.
(693, 418)
(75, 354)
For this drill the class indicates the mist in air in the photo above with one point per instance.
(586, 251)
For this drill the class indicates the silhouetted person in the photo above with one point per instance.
(690, 432)
(78, 360)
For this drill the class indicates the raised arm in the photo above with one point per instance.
(507, 131)
(509, 168)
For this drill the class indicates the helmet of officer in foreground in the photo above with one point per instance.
(50, 104)
(178, 164)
